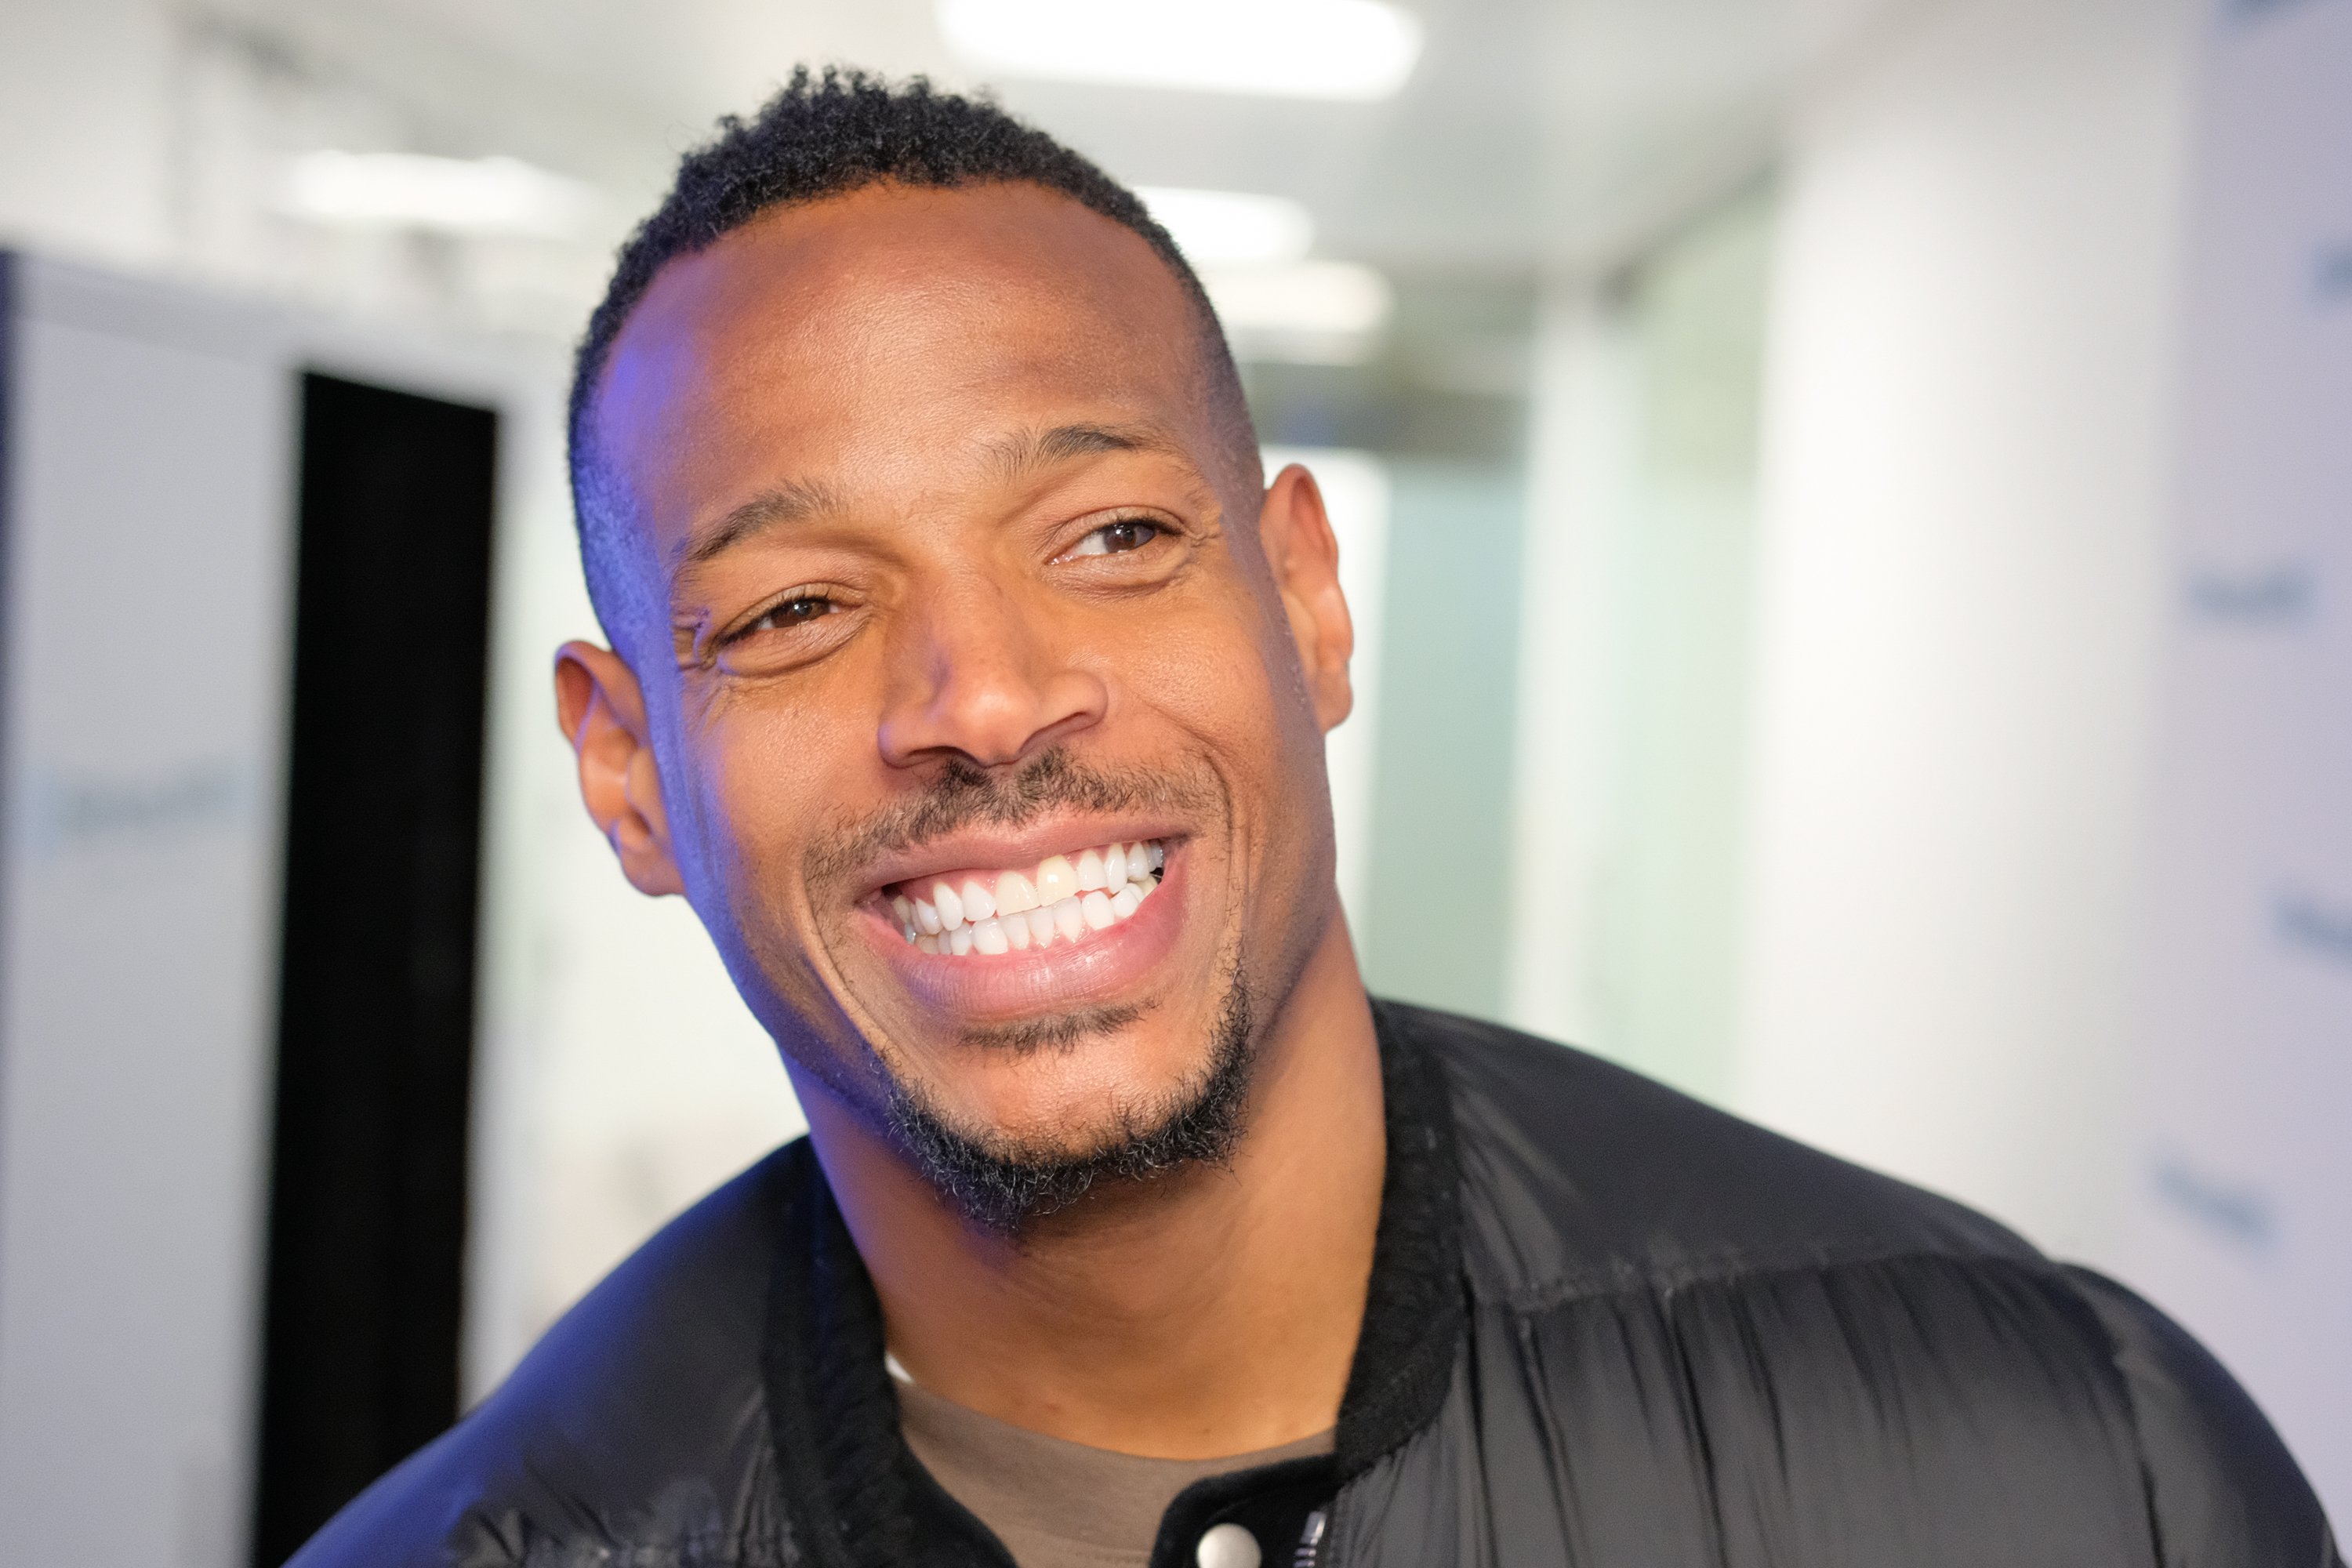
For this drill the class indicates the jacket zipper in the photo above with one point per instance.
(1310, 1540)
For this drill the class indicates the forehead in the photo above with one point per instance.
(872, 339)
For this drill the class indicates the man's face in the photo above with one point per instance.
(984, 746)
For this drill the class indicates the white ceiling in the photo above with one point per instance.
(1533, 131)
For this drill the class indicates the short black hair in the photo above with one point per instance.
(825, 134)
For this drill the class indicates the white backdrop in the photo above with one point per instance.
(2241, 1219)
(151, 466)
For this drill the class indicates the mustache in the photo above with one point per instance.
(965, 795)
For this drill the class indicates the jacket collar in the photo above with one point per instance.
(855, 1498)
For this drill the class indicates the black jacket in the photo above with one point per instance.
(1608, 1327)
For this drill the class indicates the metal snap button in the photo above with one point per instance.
(1227, 1546)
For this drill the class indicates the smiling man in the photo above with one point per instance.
(970, 679)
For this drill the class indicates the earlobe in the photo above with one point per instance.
(602, 710)
(1303, 552)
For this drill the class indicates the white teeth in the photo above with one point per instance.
(1056, 879)
(1014, 896)
(1064, 899)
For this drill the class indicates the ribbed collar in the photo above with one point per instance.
(857, 1498)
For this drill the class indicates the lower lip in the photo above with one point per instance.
(1002, 988)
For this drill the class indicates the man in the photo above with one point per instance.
(970, 680)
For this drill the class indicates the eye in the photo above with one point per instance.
(797, 611)
(1118, 538)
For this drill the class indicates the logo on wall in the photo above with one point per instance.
(2331, 273)
(2282, 593)
(2305, 923)
(2233, 1212)
(2247, 12)
(2223, 1209)
(84, 811)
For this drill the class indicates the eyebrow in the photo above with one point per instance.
(1028, 450)
(792, 501)
(1013, 457)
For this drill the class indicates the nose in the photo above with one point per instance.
(981, 677)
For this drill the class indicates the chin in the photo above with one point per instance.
(1073, 1082)
(1027, 1130)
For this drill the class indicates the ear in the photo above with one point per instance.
(602, 711)
(1304, 556)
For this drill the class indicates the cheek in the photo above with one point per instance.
(1224, 681)
(1243, 705)
(771, 775)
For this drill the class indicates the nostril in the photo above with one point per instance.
(984, 714)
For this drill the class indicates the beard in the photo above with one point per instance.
(1006, 1185)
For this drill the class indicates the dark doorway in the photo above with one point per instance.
(375, 1034)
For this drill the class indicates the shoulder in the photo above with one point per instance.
(2220, 1485)
(1612, 1223)
(1579, 1175)
(638, 1425)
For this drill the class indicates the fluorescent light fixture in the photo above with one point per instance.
(1215, 228)
(451, 195)
(1360, 49)
(1323, 299)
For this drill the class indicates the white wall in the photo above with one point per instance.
(1580, 459)
(147, 518)
(86, 95)
(2243, 1171)
(1966, 489)
(1635, 654)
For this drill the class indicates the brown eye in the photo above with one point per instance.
(797, 611)
(1117, 538)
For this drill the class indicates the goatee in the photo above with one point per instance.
(1006, 1185)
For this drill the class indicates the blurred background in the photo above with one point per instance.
(1847, 504)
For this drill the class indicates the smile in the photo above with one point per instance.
(1062, 899)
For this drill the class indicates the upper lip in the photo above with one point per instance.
(1016, 849)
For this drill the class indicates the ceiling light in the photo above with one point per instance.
(1218, 227)
(1286, 49)
(1306, 295)
(1321, 312)
(454, 195)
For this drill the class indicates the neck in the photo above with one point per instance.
(1207, 1313)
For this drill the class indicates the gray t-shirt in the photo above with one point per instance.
(1058, 1504)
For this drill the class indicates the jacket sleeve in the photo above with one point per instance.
(2223, 1492)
